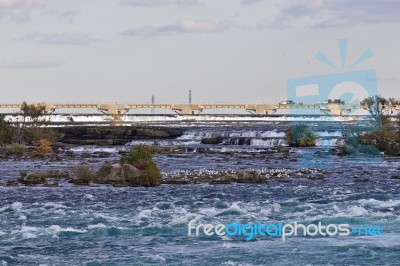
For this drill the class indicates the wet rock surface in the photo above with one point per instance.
(214, 140)
(113, 135)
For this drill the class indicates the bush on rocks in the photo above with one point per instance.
(82, 175)
(141, 157)
(42, 149)
(300, 136)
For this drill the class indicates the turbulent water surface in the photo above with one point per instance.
(72, 225)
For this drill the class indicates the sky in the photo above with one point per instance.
(229, 51)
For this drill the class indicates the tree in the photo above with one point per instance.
(383, 136)
(34, 112)
(34, 115)
(4, 130)
(380, 108)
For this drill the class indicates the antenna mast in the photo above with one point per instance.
(152, 102)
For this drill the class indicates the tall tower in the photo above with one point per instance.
(190, 96)
(152, 102)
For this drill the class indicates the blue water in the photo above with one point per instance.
(104, 225)
(137, 226)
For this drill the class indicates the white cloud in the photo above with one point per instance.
(68, 15)
(69, 38)
(341, 13)
(32, 64)
(183, 26)
(249, 2)
(22, 3)
(150, 3)
(19, 10)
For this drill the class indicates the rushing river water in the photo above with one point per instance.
(105, 225)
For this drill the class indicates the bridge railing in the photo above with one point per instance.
(186, 109)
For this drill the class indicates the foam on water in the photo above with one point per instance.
(379, 203)
(132, 118)
(357, 211)
(16, 206)
(89, 196)
(54, 205)
(94, 149)
(55, 229)
(140, 222)
(96, 226)
(27, 232)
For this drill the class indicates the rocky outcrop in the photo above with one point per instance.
(113, 135)
(250, 177)
(109, 174)
(213, 140)
(49, 178)
(133, 176)
(117, 174)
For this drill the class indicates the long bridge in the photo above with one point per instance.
(189, 109)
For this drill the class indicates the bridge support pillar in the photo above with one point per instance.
(260, 109)
(113, 109)
(49, 108)
(334, 109)
(186, 109)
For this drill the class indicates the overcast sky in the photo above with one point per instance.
(223, 50)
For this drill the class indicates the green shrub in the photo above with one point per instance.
(34, 134)
(385, 140)
(17, 149)
(152, 174)
(300, 136)
(371, 141)
(368, 149)
(141, 156)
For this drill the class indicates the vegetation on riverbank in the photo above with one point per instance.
(29, 134)
(136, 168)
(382, 136)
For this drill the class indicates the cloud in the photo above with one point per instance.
(68, 38)
(19, 10)
(181, 27)
(68, 15)
(152, 3)
(22, 4)
(249, 2)
(32, 64)
(340, 13)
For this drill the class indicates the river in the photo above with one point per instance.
(105, 225)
